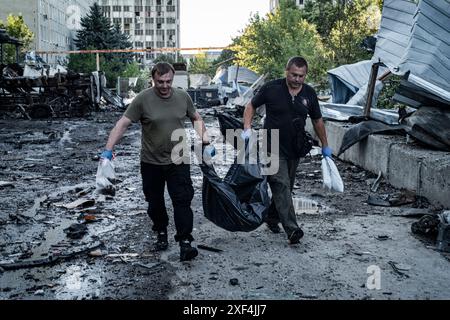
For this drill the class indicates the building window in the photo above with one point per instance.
(170, 20)
(159, 32)
(149, 32)
(170, 8)
(126, 8)
(128, 20)
(160, 20)
(117, 8)
(149, 44)
(138, 32)
(117, 20)
(160, 44)
(139, 44)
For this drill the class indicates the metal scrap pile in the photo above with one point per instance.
(35, 90)
(61, 95)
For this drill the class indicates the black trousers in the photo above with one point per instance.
(179, 185)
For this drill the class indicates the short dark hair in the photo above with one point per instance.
(162, 68)
(298, 62)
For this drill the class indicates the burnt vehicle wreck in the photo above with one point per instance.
(36, 91)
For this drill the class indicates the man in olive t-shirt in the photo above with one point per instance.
(161, 110)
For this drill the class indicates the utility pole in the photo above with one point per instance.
(98, 61)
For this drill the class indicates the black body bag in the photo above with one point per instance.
(240, 201)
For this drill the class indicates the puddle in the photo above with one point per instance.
(37, 204)
(76, 283)
(52, 237)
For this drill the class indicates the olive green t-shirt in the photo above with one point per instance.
(159, 118)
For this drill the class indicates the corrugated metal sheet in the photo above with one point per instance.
(415, 38)
(244, 75)
(354, 75)
(352, 79)
(395, 31)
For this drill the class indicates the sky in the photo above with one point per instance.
(213, 23)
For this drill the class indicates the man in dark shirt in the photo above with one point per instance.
(287, 99)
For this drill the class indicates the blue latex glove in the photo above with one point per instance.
(327, 152)
(246, 134)
(209, 151)
(107, 154)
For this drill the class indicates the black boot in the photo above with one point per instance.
(162, 243)
(187, 252)
(295, 236)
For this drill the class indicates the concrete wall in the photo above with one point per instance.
(403, 165)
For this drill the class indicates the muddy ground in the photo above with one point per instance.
(46, 165)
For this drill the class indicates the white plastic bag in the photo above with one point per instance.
(331, 177)
(105, 177)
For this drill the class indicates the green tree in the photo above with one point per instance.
(97, 33)
(143, 81)
(226, 58)
(131, 70)
(83, 63)
(267, 43)
(323, 14)
(16, 28)
(200, 64)
(164, 58)
(357, 20)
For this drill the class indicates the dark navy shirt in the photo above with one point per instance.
(282, 108)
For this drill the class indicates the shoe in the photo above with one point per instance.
(162, 243)
(187, 252)
(295, 236)
(274, 227)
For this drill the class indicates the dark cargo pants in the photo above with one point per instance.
(179, 186)
(282, 208)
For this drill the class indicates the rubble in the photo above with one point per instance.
(50, 260)
(62, 95)
(35, 90)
